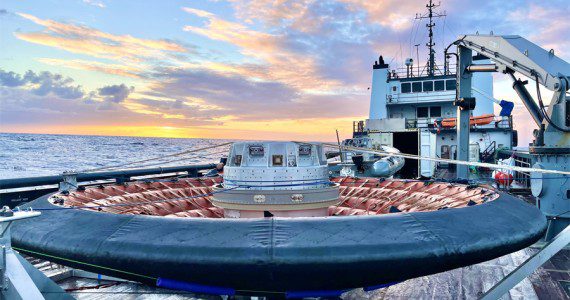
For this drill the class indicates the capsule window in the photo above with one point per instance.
(256, 150)
(304, 150)
(277, 160)
(237, 160)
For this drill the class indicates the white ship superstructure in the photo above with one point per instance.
(408, 107)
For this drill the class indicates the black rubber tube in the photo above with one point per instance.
(281, 254)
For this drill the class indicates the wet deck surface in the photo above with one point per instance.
(471, 282)
(551, 281)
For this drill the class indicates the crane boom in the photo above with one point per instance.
(520, 55)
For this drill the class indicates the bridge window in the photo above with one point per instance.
(416, 87)
(435, 111)
(406, 87)
(439, 85)
(428, 86)
(450, 84)
(423, 112)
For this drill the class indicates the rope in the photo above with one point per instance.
(176, 160)
(457, 162)
(155, 158)
(83, 263)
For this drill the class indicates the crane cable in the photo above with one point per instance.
(177, 160)
(543, 110)
(155, 158)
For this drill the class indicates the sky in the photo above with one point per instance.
(237, 69)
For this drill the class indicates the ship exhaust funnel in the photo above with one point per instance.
(379, 90)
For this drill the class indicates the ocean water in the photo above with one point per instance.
(26, 155)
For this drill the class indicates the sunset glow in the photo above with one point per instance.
(233, 69)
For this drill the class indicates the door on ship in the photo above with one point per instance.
(407, 142)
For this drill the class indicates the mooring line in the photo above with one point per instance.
(156, 158)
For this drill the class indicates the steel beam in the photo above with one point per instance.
(529, 266)
(464, 78)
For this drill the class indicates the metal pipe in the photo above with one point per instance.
(528, 101)
(483, 68)
(47, 180)
(529, 266)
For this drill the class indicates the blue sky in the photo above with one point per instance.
(235, 69)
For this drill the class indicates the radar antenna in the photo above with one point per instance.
(431, 14)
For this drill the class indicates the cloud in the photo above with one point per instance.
(115, 93)
(299, 64)
(3, 12)
(95, 3)
(113, 69)
(85, 40)
(274, 59)
(544, 25)
(47, 99)
(244, 99)
(10, 79)
(43, 83)
(311, 16)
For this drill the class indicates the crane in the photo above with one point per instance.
(512, 55)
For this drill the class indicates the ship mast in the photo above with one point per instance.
(430, 15)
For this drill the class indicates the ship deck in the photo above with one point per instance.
(551, 281)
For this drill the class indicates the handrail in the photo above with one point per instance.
(493, 144)
(11, 183)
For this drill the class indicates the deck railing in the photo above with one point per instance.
(420, 71)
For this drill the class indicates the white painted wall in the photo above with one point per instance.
(482, 85)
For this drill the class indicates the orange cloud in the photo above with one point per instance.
(392, 14)
(113, 69)
(275, 61)
(85, 40)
